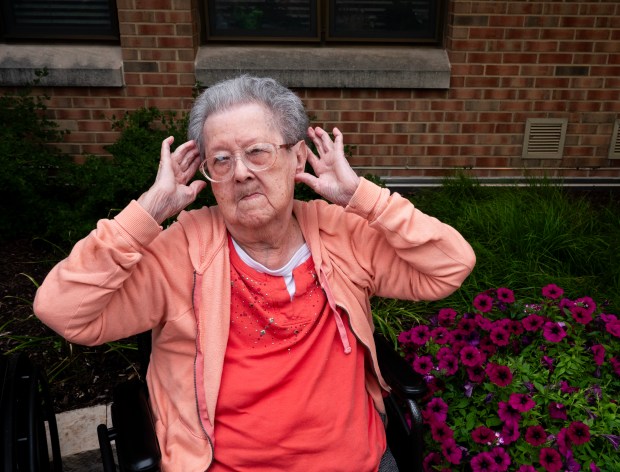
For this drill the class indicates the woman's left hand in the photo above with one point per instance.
(335, 180)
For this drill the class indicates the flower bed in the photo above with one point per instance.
(520, 386)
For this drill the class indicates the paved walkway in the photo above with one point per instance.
(89, 461)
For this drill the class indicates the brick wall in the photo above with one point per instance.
(510, 60)
(159, 41)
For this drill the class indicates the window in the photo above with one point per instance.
(59, 20)
(325, 21)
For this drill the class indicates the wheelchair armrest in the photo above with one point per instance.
(137, 447)
(400, 376)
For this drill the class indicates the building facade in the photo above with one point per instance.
(505, 91)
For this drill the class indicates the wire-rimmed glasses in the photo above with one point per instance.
(220, 166)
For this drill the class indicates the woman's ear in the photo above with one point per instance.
(301, 155)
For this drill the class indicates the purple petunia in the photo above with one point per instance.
(446, 317)
(449, 364)
(581, 314)
(451, 451)
(613, 328)
(598, 351)
(483, 303)
(533, 322)
(483, 435)
(505, 295)
(507, 413)
(441, 431)
(550, 459)
(500, 336)
(471, 356)
(553, 332)
(578, 433)
(526, 468)
(521, 402)
(483, 462)
(557, 411)
(500, 375)
(510, 432)
(423, 365)
(436, 410)
(501, 459)
(419, 335)
(441, 335)
(536, 435)
(552, 291)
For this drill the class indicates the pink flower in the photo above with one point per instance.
(599, 354)
(501, 459)
(594, 467)
(451, 451)
(587, 303)
(521, 402)
(420, 334)
(526, 468)
(536, 435)
(550, 459)
(471, 356)
(423, 365)
(578, 433)
(533, 322)
(441, 431)
(613, 328)
(552, 291)
(482, 322)
(431, 460)
(483, 462)
(446, 317)
(510, 432)
(449, 364)
(483, 435)
(500, 336)
(476, 373)
(557, 411)
(505, 295)
(553, 332)
(566, 388)
(483, 303)
(436, 410)
(563, 441)
(615, 364)
(441, 335)
(581, 314)
(507, 413)
(500, 375)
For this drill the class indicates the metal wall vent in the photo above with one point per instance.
(614, 147)
(544, 138)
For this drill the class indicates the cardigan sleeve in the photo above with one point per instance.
(108, 287)
(405, 253)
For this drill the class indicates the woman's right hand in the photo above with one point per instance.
(171, 192)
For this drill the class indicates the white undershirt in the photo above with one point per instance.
(286, 271)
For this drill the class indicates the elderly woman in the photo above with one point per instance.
(263, 356)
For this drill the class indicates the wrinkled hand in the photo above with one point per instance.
(171, 193)
(335, 179)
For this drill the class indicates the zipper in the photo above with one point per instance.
(197, 342)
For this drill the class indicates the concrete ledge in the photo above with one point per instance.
(325, 67)
(77, 429)
(67, 66)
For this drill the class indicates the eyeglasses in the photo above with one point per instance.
(220, 167)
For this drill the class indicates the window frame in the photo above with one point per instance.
(10, 31)
(323, 37)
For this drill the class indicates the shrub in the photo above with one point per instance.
(33, 174)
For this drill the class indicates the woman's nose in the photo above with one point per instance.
(241, 171)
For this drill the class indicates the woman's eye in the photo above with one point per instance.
(222, 159)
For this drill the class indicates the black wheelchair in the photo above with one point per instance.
(27, 416)
(137, 449)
